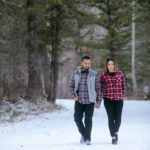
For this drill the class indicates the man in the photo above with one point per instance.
(85, 89)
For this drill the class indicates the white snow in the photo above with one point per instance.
(57, 130)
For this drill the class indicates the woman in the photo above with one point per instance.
(113, 90)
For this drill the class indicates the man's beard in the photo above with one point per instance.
(85, 68)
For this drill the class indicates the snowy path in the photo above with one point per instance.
(57, 131)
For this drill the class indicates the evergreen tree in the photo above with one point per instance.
(61, 19)
(115, 17)
(143, 43)
(12, 49)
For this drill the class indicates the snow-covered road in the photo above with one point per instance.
(57, 131)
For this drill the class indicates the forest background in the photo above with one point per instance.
(42, 42)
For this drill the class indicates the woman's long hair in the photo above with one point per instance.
(106, 65)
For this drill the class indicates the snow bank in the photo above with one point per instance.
(57, 130)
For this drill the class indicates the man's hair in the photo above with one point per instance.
(85, 57)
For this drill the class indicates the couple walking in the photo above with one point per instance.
(88, 88)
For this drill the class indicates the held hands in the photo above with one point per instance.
(76, 98)
(97, 105)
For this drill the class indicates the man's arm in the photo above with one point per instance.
(102, 83)
(72, 87)
(98, 92)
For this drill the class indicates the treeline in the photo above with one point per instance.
(34, 34)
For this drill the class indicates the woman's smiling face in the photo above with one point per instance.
(111, 66)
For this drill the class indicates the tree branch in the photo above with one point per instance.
(11, 4)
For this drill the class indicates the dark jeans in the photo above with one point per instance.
(114, 112)
(87, 110)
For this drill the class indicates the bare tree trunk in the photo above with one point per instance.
(78, 37)
(110, 45)
(133, 49)
(45, 71)
(34, 88)
(55, 29)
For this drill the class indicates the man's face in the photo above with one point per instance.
(86, 64)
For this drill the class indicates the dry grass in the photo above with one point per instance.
(22, 110)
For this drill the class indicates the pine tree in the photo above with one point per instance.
(12, 49)
(61, 19)
(115, 18)
(143, 44)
